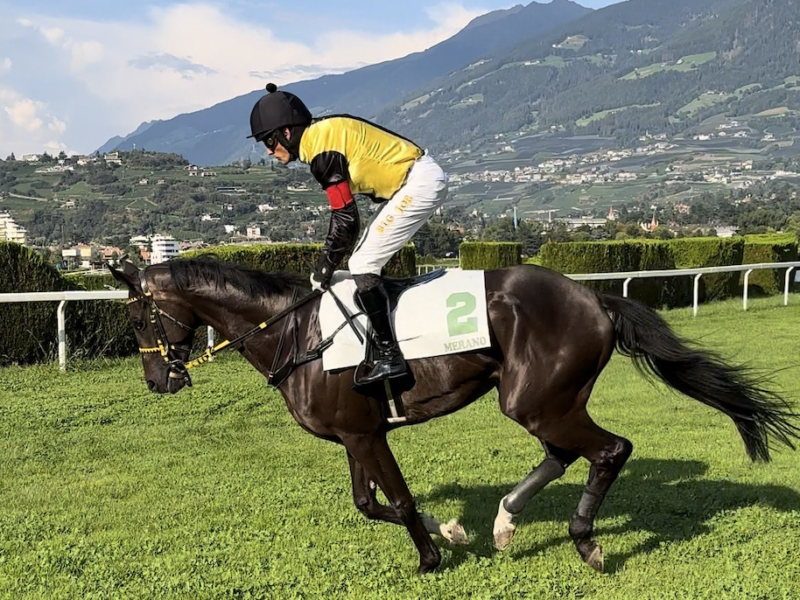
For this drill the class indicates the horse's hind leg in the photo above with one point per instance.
(365, 499)
(551, 468)
(373, 453)
(607, 454)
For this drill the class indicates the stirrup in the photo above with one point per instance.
(397, 413)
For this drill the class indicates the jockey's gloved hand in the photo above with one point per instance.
(321, 278)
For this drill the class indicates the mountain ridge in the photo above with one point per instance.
(217, 135)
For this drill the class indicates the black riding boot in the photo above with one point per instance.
(389, 362)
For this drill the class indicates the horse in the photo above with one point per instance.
(551, 337)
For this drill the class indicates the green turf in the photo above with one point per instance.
(108, 491)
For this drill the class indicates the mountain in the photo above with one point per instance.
(633, 67)
(117, 140)
(216, 135)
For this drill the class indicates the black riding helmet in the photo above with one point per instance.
(275, 111)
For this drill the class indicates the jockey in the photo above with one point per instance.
(347, 156)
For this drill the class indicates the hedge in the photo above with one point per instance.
(711, 252)
(646, 255)
(297, 258)
(613, 257)
(489, 255)
(100, 328)
(773, 248)
(28, 330)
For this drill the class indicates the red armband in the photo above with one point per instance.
(339, 195)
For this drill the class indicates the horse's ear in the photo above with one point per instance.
(129, 274)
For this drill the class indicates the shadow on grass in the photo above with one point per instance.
(669, 499)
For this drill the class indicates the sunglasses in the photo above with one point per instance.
(271, 142)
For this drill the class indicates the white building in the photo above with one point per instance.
(140, 241)
(164, 248)
(253, 231)
(10, 231)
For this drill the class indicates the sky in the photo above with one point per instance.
(74, 74)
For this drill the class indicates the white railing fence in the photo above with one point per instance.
(71, 296)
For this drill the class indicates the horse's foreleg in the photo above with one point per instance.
(550, 469)
(364, 497)
(374, 455)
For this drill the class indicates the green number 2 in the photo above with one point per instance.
(458, 320)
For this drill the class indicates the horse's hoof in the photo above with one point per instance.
(595, 558)
(503, 538)
(424, 569)
(454, 533)
(504, 528)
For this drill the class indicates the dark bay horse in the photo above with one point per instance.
(550, 340)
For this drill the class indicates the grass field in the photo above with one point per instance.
(108, 491)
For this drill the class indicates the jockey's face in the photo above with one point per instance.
(276, 149)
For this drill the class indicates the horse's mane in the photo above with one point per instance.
(192, 273)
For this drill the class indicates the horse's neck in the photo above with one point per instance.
(233, 317)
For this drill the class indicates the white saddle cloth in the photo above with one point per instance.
(444, 316)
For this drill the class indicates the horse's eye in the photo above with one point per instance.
(138, 324)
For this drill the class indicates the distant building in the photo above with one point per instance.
(573, 224)
(10, 231)
(651, 226)
(80, 256)
(164, 247)
(111, 253)
(140, 241)
(253, 231)
(112, 158)
(726, 231)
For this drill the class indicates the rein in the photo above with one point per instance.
(180, 370)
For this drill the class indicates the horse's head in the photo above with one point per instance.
(164, 326)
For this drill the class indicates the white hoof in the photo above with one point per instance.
(453, 531)
(504, 528)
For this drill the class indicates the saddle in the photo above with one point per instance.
(395, 286)
(435, 314)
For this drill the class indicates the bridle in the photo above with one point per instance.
(178, 369)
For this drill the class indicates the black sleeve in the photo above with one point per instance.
(342, 235)
(330, 168)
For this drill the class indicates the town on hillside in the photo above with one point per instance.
(81, 211)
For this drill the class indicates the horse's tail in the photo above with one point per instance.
(760, 415)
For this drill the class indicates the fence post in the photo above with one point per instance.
(786, 288)
(62, 335)
(625, 287)
(746, 288)
(696, 293)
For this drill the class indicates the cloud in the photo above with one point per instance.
(86, 80)
(304, 71)
(28, 125)
(169, 62)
